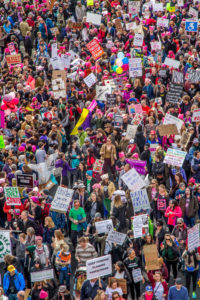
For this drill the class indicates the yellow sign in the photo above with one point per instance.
(83, 116)
(90, 2)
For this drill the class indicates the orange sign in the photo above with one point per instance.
(95, 49)
(13, 59)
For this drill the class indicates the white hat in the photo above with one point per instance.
(104, 176)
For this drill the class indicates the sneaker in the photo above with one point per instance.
(194, 295)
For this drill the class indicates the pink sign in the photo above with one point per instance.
(92, 105)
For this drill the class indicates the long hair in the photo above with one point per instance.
(117, 201)
(50, 222)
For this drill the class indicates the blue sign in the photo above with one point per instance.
(191, 26)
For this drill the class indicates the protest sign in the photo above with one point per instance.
(54, 50)
(167, 129)
(161, 204)
(193, 76)
(140, 225)
(11, 47)
(118, 25)
(177, 77)
(191, 26)
(121, 283)
(138, 165)
(133, 7)
(99, 266)
(185, 138)
(102, 92)
(156, 45)
(135, 67)
(62, 199)
(95, 49)
(194, 237)
(42, 275)
(157, 6)
(12, 195)
(133, 180)
(135, 109)
(151, 257)
(118, 121)
(13, 59)
(116, 237)
(162, 73)
(98, 165)
(174, 93)
(5, 245)
(54, 31)
(131, 26)
(111, 100)
(90, 80)
(90, 2)
(138, 40)
(59, 83)
(75, 25)
(93, 18)
(172, 63)
(24, 180)
(51, 161)
(196, 115)
(131, 131)
(65, 60)
(162, 22)
(174, 157)
(115, 83)
(104, 226)
(169, 119)
(137, 275)
(140, 200)
(2, 143)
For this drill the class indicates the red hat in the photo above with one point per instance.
(152, 132)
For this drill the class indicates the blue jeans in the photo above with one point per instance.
(12, 297)
(189, 221)
(64, 275)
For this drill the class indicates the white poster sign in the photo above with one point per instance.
(174, 157)
(93, 18)
(193, 237)
(100, 266)
(116, 237)
(169, 119)
(196, 115)
(131, 26)
(62, 199)
(156, 45)
(42, 171)
(180, 3)
(102, 91)
(137, 275)
(131, 131)
(133, 180)
(42, 275)
(135, 67)
(193, 12)
(51, 161)
(5, 245)
(140, 226)
(104, 226)
(172, 63)
(162, 22)
(54, 50)
(66, 60)
(140, 200)
(138, 40)
(90, 80)
(158, 7)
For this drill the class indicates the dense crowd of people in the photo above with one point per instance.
(92, 91)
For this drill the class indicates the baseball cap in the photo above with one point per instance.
(11, 268)
(148, 288)
(179, 281)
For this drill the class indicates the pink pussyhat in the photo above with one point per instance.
(121, 154)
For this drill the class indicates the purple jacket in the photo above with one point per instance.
(65, 167)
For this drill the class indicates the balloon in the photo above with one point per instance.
(125, 60)
(120, 55)
(118, 62)
(112, 62)
(115, 68)
(125, 67)
(119, 70)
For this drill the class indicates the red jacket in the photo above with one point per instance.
(6, 209)
(172, 215)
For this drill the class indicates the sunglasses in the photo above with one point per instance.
(167, 239)
(116, 297)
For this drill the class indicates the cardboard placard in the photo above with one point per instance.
(140, 225)
(196, 115)
(100, 266)
(90, 80)
(42, 275)
(135, 67)
(98, 166)
(193, 76)
(174, 157)
(194, 237)
(172, 63)
(104, 226)
(75, 25)
(169, 119)
(174, 93)
(12, 195)
(102, 92)
(137, 275)
(116, 237)
(59, 83)
(177, 77)
(62, 199)
(54, 30)
(185, 138)
(138, 40)
(133, 180)
(131, 131)
(140, 200)
(93, 18)
(167, 129)
(118, 25)
(111, 100)
(151, 257)
(13, 59)
(118, 121)
(5, 244)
